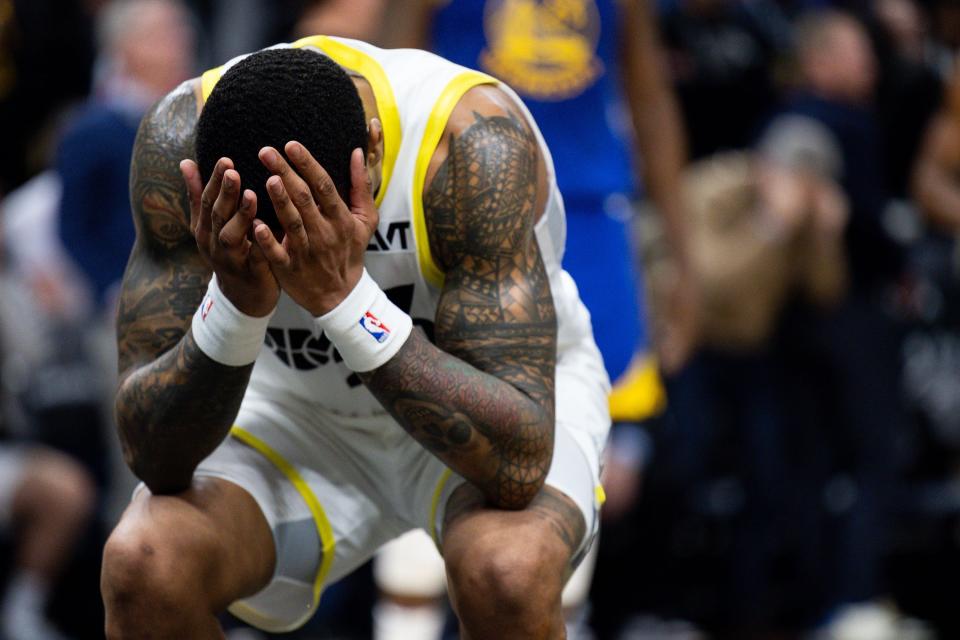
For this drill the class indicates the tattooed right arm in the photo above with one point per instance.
(174, 405)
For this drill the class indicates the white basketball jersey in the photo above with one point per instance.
(415, 93)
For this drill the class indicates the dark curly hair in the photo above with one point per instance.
(272, 97)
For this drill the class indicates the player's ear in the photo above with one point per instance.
(374, 142)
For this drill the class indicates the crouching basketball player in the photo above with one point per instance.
(350, 323)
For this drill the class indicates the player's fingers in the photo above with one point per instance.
(256, 257)
(288, 214)
(361, 191)
(211, 192)
(296, 187)
(322, 188)
(225, 206)
(234, 232)
(191, 177)
(271, 250)
(361, 186)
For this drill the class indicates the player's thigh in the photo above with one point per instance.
(211, 541)
(322, 482)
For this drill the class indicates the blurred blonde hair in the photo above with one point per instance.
(117, 19)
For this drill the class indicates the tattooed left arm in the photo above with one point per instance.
(482, 399)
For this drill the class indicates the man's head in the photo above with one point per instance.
(835, 56)
(272, 97)
(150, 42)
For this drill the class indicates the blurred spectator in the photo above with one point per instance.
(935, 185)
(838, 74)
(944, 17)
(905, 26)
(46, 498)
(762, 226)
(766, 229)
(843, 367)
(46, 56)
(359, 19)
(235, 27)
(31, 214)
(781, 435)
(932, 371)
(909, 87)
(146, 49)
(721, 58)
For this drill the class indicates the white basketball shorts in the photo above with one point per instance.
(335, 488)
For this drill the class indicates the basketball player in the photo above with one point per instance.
(351, 323)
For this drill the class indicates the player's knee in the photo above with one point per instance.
(137, 565)
(146, 578)
(515, 577)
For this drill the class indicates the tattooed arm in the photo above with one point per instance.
(174, 405)
(482, 398)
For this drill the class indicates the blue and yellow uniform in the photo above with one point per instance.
(560, 56)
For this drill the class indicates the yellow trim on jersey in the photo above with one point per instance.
(444, 106)
(435, 505)
(600, 495)
(209, 80)
(328, 543)
(356, 60)
(638, 394)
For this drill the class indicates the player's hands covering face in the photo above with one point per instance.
(222, 217)
(320, 259)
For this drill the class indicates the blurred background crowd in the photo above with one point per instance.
(781, 179)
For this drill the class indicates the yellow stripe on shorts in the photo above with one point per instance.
(435, 506)
(327, 541)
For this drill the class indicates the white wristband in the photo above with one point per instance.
(366, 327)
(224, 333)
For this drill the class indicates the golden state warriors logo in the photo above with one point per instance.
(545, 49)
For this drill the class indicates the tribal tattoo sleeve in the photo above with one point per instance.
(482, 398)
(174, 405)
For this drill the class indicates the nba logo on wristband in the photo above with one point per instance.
(205, 307)
(372, 325)
(366, 313)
